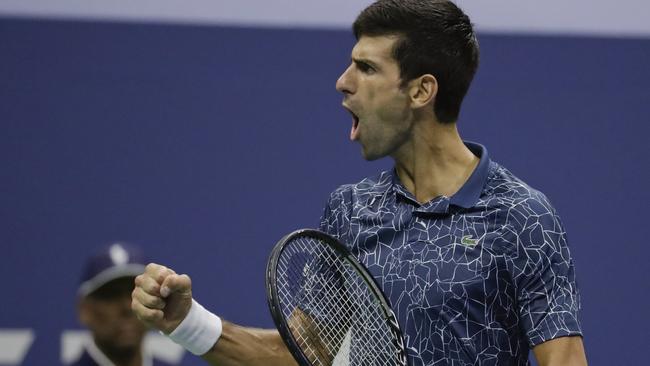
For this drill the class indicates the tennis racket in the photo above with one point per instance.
(327, 307)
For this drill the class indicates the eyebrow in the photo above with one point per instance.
(365, 61)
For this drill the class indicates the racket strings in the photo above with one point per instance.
(318, 333)
(337, 319)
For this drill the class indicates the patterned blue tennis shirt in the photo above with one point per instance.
(477, 278)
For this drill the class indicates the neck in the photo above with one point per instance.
(435, 162)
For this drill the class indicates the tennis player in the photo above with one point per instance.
(474, 262)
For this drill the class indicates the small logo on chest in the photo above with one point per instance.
(468, 241)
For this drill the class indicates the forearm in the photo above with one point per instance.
(248, 346)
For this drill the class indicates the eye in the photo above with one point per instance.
(365, 68)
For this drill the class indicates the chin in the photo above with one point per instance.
(370, 155)
(128, 339)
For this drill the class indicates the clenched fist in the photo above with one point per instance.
(161, 298)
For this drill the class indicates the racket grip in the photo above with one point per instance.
(199, 331)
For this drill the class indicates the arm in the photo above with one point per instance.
(162, 299)
(241, 346)
(248, 346)
(563, 351)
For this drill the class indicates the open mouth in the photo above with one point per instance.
(354, 132)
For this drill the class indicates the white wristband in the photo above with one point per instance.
(199, 331)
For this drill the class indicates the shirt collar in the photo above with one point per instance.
(466, 197)
(469, 194)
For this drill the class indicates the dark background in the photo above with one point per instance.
(206, 144)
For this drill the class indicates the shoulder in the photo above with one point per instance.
(348, 198)
(508, 191)
(364, 189)
(522, 208)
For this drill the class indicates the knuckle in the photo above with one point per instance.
(147, 317)
(155, 270)
(142, 300)
(137, 294)
(152, 288)
(147, 285)
(136, 307)
(157, 303)
(150, 301)
(162, 274)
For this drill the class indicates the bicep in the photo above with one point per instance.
(563, 351)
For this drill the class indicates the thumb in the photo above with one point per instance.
(181, 284)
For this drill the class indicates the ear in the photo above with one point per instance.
(423, 90)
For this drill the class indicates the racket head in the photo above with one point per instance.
(301, 262)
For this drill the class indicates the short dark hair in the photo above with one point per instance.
(436, 38)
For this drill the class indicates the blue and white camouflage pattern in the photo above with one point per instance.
(475, 279)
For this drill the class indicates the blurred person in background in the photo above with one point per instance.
(104, 307)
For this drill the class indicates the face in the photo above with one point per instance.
(115, 328)
(373, 94)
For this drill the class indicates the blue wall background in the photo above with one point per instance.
(206, 144)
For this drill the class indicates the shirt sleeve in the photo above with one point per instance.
(544, 275)
(335, 219)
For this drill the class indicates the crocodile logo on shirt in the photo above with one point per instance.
(468, 241)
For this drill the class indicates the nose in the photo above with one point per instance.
(345, 84)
